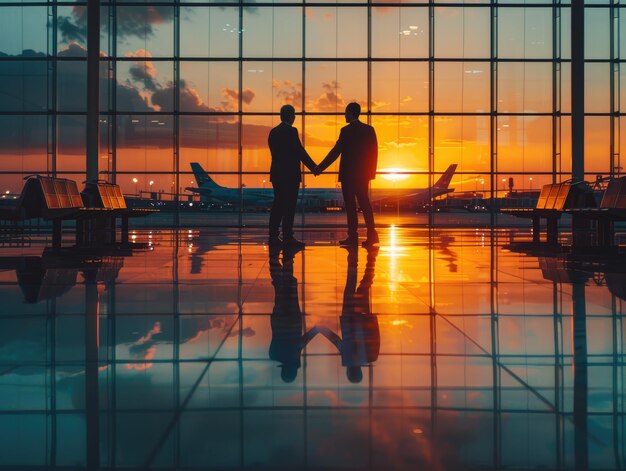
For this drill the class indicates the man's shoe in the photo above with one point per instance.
(293, 243)
(349, 241)
(371, 240)
(274, 240)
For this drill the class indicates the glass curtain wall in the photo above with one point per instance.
(479, 84)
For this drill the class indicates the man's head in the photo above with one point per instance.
(353, 111)
(354, 374)
(288, 373)
(288, 114)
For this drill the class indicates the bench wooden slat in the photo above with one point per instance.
(611, 195)
(50, 194)
(543, 198)
(561, 198)
(552, 197)
(621, 198)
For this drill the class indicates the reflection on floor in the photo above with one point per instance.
(439, 350)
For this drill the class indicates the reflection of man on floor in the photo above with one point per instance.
(286, 321)
(360, 344)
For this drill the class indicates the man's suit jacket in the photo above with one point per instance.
(358, 147)
(287, 153)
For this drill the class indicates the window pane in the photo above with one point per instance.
(597, 144)
(597, 88)
(145, 86)
(462, 87)
(211, 141)
(336, 32)
(209, 86)
(23, 145)
(463, 141)
(71, 143)
(330, 86)
(462, 32)
(525, 33)
(209, 32)
(145, 31)
(399, 32)
(402, 146)
(524, 87)
(72, 85)
(272, 32)
(269, 85)
(597, 33)
(524, 144)
(23, 86)
(145, 143)
(399, 86)
(23, 29)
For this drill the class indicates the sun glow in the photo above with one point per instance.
(393, 174)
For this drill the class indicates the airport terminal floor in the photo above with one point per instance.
(443, 349)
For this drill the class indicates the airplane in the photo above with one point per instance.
(211, 192)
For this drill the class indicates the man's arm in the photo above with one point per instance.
(304, 156)
(332, 155)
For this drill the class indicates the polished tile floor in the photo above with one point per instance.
(442, 349)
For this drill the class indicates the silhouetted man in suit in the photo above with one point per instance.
(358, 147)
(286, 321)
(287, 153)
(359, 344)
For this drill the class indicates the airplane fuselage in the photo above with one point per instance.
(259, 197)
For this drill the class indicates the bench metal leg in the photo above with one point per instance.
(80, 232)
(536, 229)
(124, 235)
(605, 233)
(552, 230)
(581, 231)
(56, 233)
(112, 230)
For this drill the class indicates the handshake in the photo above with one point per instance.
(316, 170)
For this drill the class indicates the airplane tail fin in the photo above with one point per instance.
(444, 181)
(202, 178)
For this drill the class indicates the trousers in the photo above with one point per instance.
(284, 208)
(353, 191)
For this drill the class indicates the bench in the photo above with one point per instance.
(50, 276)
(108, 196)
(50, 199)
(612, 209)
(553, 201)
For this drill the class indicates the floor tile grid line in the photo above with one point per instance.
(519, 379)
(179, 410)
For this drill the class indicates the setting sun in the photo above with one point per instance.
(394, 174)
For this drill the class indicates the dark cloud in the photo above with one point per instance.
(247, 95)
(329, 100)
(144, 73)
(71, 31)
(190, 99)
(289, 93)
(139, 21)
(24, 85)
